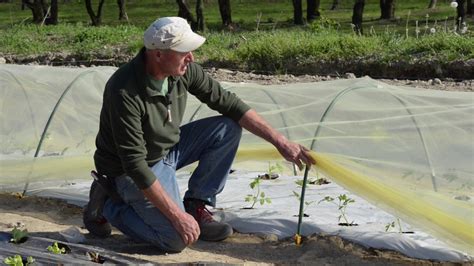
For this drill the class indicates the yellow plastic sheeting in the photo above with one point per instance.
(452, 221)
(410, 151)
(45, 168)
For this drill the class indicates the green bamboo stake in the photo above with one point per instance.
(301, 213)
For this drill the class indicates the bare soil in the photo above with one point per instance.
(47, 217)
(435, 83)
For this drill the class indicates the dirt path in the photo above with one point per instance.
(435, 84)
(47, 217)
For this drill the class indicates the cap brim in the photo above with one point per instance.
(191, 41)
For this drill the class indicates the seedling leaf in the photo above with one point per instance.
(54, 248)
(18, 236)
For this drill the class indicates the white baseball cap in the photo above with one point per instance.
(172, 33)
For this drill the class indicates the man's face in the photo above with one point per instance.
(174, 63)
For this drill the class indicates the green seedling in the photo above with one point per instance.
(18, 236)
(344, 201)
(392, 225)
(306, 203)
(258, 196)
(274, 168)
(389, 225)
(54, 248)
(17, 260)
(317, 181)
(273, 171)
(95, 257)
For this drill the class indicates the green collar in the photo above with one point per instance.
(138, 63)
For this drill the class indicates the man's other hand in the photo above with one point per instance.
(187, 227)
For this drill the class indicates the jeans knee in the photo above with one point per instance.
(232, 127)
(171, 244)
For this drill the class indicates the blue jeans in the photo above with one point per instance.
(213, 142)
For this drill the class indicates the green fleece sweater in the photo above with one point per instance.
(135, 128)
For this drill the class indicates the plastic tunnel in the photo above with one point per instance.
(408, 151)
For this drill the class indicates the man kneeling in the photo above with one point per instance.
(140, 144)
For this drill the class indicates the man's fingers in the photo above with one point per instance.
(185, 239)
(306, 157)
(196, 234)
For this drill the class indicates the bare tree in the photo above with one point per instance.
(461, 14)
(38, 9)
(53, 13)
(312, 10)
(298, 12)
(335, 3)
(387, 8)
(432, 4)
(357, 14)
(184, 12)
(201, 25)
(42, 13)
(96, 19)
(226, 14)
(122, 12)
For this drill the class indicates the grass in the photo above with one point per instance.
(244, 12)
(265, 38)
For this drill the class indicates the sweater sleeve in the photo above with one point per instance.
(125, 116)
(209, 91)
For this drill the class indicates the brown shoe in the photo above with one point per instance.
(211, 230)
(92, 216)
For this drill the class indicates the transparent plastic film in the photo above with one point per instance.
(408, 150)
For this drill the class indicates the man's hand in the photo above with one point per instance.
(294, 152)
(187, 227)
(184, 223)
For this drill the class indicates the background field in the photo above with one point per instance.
(263, 39)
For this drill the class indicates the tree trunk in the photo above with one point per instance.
(432, 4)
(470, 8)
(201, 25)
(53, 13)
(461, 16)
(387, 8)
(226, 14)
(36, 9)
(96, 20)
(312, 11)
(335, 3)
(122, 11)
(184, 12)
(358, 11)
(298, 12)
